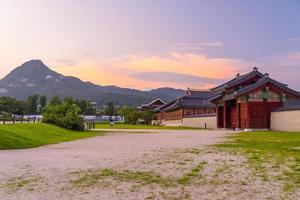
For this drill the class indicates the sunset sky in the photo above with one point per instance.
(147, 44)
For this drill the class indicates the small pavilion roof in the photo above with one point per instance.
(153, 101)
(191, 99)
(151, 104)
(202, 94)
(186, 102)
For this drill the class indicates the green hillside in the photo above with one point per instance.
(19, 136)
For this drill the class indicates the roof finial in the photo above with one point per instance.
(266, 75)
(255, 68)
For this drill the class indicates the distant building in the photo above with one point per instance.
(94, 105)
(192, 104)
(152, 104)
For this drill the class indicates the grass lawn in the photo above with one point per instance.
(130, 126)
(19, 136)
(273, 155)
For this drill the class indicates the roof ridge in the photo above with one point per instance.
(199, 90)
(264, 80)
(239, 77)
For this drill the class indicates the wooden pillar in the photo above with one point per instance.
(225, 115)
(238, 112)
(219, 117)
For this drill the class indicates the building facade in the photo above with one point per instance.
(192, 104)
(247, 100)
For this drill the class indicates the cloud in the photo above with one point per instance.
(190, 70)
(195, 46)
(293, 56)
(294, 40)
(174, 78)
(67, 62)
(284, 68)
(171, 69)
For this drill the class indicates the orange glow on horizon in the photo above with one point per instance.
(118, 71)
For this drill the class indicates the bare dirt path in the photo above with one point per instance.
(48, 165)
(156, 164)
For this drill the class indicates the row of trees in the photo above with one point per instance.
(20, 107)
(37, 104)
(67, 112)
(134, 116)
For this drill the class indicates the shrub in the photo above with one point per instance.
(64, 115)
(131, 115)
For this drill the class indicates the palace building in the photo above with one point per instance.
(245, 102)
(192, 103)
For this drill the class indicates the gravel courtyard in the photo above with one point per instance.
(151, 165)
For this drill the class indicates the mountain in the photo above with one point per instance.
(34, 77)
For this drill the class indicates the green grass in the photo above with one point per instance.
(16, 183)
(20, 136)
(130, 126)
(195, 172)
(90, 178)
(145, 178)
(270, 151)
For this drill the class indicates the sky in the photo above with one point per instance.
(147, 44)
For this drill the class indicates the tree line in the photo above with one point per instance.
(36, 104)
(67, 112)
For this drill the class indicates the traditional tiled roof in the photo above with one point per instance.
(202, 94)
(185, 102)
(191, 99)
(164, 106)
(261, 82)
(216, 96)
(151, 104)
(239, 79)
(289, 105)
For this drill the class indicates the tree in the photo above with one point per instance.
(146, 116)
(43, 103)
(131, 115)
(32, 102)
(10, 107)
(125, 111)
(55, 100)
(19, 107)
(69, 100)
(64, 115)
(110, 108)
(83, 104)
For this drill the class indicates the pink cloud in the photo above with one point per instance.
(293, 56)
(120, 71)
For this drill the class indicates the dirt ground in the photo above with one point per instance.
(160, 165)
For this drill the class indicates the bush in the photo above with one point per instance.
(131, 115)
(147, 116)
(64, 115)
